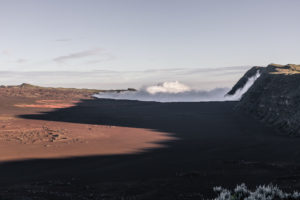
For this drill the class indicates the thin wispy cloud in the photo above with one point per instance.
(104, 57)
(63, 40)
(219, 69)
(77, 55)
(6, 52)
(21, 61)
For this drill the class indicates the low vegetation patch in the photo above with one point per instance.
(264, 192)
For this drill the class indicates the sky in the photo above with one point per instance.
(129, 43)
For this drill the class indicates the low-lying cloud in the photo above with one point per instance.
(179, 92)
(168, 92)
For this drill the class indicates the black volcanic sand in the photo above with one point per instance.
(215, 146)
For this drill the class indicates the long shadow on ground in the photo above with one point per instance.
(215, 146)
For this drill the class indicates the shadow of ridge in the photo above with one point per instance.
(129, 113)
(208, 133)
(181, 120)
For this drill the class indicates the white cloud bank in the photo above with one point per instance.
(168, 87)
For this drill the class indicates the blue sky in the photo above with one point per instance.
(130, 36)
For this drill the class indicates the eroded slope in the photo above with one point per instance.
(275, 97)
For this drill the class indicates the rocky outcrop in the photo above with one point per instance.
(274, 98)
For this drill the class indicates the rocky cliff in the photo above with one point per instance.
(274, 97)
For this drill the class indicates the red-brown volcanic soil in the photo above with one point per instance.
(30, 139)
